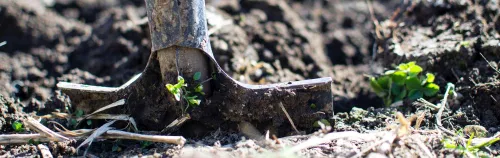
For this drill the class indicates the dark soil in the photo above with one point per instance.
(259, 42)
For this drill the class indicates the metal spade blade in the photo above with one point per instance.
(180, 46)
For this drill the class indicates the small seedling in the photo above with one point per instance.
(313, 106)
(180, 90)
(404, 82)
(145, 144)
(18, 126)
(3, 43)
(79, 113)
(116, 146)
(468, 148)
(74, 122)
(465, 44)
(33, 142)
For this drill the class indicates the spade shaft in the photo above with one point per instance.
(180, 46)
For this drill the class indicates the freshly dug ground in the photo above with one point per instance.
(106, 42)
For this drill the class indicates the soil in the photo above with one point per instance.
(105, 43)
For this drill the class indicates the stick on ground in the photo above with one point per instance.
(9, 139)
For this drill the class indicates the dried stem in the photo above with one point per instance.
(7, 139)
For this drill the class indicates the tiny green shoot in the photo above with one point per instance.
(145, 144)
(33, 142)
(313, 106)
(404, 82)
(116, 148)
(17, 126)
(79, 113)
(468, 148)
(3, 43)
(180, 90)
(73, 122)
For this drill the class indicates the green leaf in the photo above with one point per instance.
(399, 77)
(376, 87)
(170, 87)
(197, 76)
(387, 101)
(430, 77)
(401, 95)
(313, 106)
(198, 88)
(79, 113)
(465, 44)
(384, 82)
(415, 94)
(33, 142)
(145, 144)
(89, 122)
(175, 91)
(17, 126)
(214, 76)
(180, 80)
(413, 83)
(396, 89)
(431, 89)
(414, 70)
(192, 100)
(388, 72)
(177, 96)
(404, 66)
(449, 144)
(73, 122)
(116, 148)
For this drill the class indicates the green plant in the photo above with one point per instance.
(189, 94)
(467, 148)
(74, 122)
(17, 126)
(145, 144)
(33, 142)
(116, 148)
(313, 106)
(404, 82)
(3, 43)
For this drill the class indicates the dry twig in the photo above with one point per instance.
(288, 117)
(38, 127)
(112, 105)
(7, 139)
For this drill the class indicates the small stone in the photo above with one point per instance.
(376, 155)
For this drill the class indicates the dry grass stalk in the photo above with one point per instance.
(38, 127)
(288, 117)
(98, 132)
(112, 105)
(9, 139)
